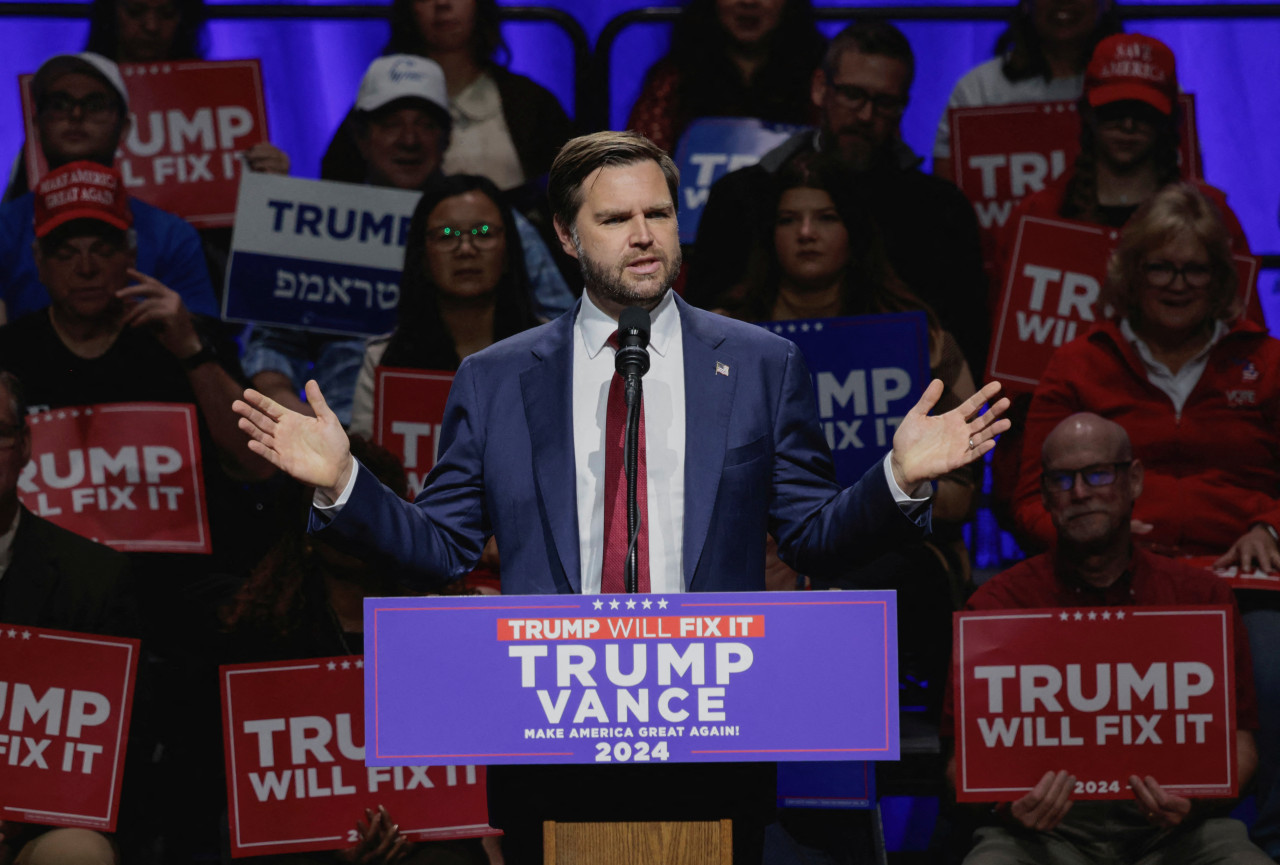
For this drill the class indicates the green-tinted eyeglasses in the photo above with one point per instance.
(482, 235)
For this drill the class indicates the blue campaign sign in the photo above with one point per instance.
(317, 255)
(868, 371)
(631, 678)
(850, 785)
(712, 147)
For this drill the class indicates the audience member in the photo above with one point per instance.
(82, 113)
(401, 125)
(1040, 57)
(145, 31)
(505, 126)
(826, 259)
(731, 58)
(1089, 480)
(463, 288)
(1195, 384)
(927, 225)
(1128, 140)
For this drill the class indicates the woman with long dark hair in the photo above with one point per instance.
(732, 58)
(463, 287)
(1040, 57)
(505, 126)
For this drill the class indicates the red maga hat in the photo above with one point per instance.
(81, 190)
(1129, 66)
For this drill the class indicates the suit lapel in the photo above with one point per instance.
(708, 399)
(547, 390)
(31, 578)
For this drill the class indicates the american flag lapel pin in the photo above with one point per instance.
(722, 368)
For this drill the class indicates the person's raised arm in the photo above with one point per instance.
(926, 448)
(312, 450)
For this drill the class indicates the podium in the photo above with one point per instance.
(669, 842)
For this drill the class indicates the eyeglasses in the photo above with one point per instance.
(854, 98)
(1100, 475)
(483, 236)
(95, 106)
(1162, 273)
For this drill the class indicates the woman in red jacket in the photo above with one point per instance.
(1198, 389)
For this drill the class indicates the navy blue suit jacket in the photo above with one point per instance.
(755, 462)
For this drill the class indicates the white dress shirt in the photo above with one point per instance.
(664, 431)
(6, 543)
(1177, 386)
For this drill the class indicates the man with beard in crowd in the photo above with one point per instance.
(928, 227)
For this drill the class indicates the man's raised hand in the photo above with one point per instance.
(926, 448)
(313, 450)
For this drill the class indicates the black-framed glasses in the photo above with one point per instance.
(1162, 273)
(483, 235)
(95, 106)
(1099, 475)
(854, 98)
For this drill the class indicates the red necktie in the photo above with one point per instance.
(613, 578)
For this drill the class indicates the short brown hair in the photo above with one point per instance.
(1174, 209)
(583, 155)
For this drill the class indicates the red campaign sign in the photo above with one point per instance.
(1233, 576)
(1001, 154)
(191, 122)
(293, 733)
(1103, 693)
(67, 698)
(127, 475)
(1056, 272)
(408, 408)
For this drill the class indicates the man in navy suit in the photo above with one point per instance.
(733, 452)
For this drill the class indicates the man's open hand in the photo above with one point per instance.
(313, 450)
(926, 448)
(1048, 802)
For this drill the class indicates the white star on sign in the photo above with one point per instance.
(346, 665)
(613, 605)
(1092, 616)
(791, 328)
(1063, 616)
(12, 633)
(1106, 615)
(597, 603)
(817, 325)
(360, 664)
(805, 327)
(662, 603)
(26, 635)
(331, 665)
(647, 603)
(1120, 615)
(631, 605)
(1078, 616)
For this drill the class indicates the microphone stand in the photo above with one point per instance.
(634, 393)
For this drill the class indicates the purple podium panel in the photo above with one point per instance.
(750, 676)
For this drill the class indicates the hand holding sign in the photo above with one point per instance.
(313, 450)
(1163, 809)
(380, 841)
(925, 448)
(1043, 808)
(1256, 545)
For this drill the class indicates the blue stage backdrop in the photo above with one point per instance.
(312, 68)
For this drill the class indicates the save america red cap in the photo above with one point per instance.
(81, 190)
(1129, 66)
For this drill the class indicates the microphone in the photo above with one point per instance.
(632, 358)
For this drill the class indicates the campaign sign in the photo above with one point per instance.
(408, 408)
(127, 475)
(293, 734)
(1057, 268)
(317, 255)
(67, 699)
(1001, 154)
(631, 678)
(1103, 693)
(868, 371)
(850, 785)
(192, 121)
(1236, 578)
(712, 147)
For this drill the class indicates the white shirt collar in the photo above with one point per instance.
(1220, 329)
(6, 542)
(596, 326)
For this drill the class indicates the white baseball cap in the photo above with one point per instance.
(398, 76)
(84, 62)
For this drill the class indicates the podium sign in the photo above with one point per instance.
(192, 121)
(66, 700)
(293, 733)
(868, 371)
(631, 678)
(408, 408)
(1103, 693)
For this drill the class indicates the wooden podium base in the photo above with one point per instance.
(667, 842)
